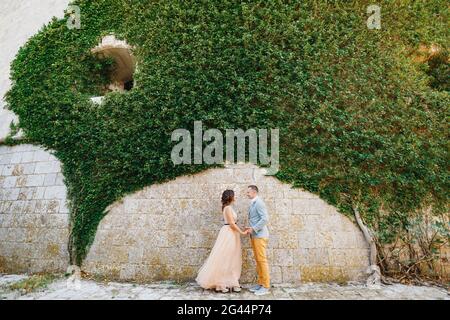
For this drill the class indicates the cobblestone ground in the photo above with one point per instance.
(61, 288)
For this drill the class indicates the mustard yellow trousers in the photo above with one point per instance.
(259, 246)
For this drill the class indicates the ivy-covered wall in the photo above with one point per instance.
(20, 20)
(362, 124)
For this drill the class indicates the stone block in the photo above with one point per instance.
(6, 158)
(135, 255)
(47, 167)
(323, 239)
(50, 179)
(5, 149)
(219, 176)
(306, 239)
(28, 168)
(21, 181)
(342, 240)
(59, 179)
(296, 223)
(63, 208)
(271, 192)
(301, 257)
(338, 257)
(319, 256)
(7, 170)
(9, 182)
(312, 223)
(287, 240)
(3, 236)
(16, 157)
(30, 206)
(27, 156)
(6, 220)
(283, 257)
(298, 194)
(39, 193)
(276, 275)
(244, 175)
(311, 206)
(55, 192)
(11, 194)
(127, 272)
(17, 207)
(17, 170)
(283, 206)
(358, 258)
(322, 274)
(35, 180)
(290, 274)
(40, 156)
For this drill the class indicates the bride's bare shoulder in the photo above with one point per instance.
(227, 208)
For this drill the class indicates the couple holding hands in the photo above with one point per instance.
(222, 269)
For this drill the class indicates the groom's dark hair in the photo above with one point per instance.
(253, 187)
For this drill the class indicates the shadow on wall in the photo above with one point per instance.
(165, 232)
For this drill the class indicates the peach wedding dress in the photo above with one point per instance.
(222, 269)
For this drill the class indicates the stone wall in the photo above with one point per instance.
(166, 231)
(33, 213)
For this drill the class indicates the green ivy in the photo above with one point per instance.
(360, 123)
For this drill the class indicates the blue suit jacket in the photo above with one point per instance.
(258, 219)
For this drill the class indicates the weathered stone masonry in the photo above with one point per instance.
(33, 213)
(165, 231)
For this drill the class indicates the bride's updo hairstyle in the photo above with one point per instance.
(227, 198)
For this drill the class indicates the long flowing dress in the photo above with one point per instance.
(222, 269)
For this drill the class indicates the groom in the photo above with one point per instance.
(259, 237)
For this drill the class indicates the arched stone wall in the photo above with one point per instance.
(165, 231)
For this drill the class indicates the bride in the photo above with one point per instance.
(222, 270)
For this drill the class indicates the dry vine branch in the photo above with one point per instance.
(374, 271)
